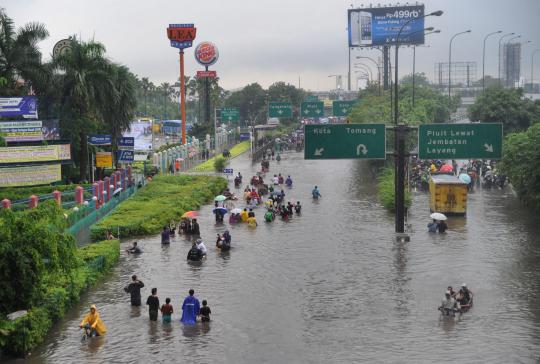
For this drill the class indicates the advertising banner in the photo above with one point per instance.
(21, 131)
(30, 175)
(380, 26)
(99, 139)
(25, 106)
(104, 159)
(35, 153)
(181, 35)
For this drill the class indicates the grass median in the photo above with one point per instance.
(235, 151)
(155, 205)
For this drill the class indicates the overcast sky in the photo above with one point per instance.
(273, 40)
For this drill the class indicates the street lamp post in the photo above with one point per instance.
(532, 68)
(506, 45)
(378, 70)
(450, 67)
(500, 41)
(399, 140)
(484, 59)
(365, 67)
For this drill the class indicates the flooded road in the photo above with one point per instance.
(329, 286)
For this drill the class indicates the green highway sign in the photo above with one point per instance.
(279, 110)
(230, 114)
(460, 141)
(312, 109)
(342, 108)
(312, 98)
(345, 141)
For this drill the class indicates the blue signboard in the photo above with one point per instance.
(228, 171)
(244, 136)
(181, 45)
(126, 143)
(99, 139)
(125, 156)
(25, 106)
(380, 26)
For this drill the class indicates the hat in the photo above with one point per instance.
(93, 307)
(464, 285)
(198, 241)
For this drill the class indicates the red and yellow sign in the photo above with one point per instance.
(104, 159)
(206, 53)
(181, 34)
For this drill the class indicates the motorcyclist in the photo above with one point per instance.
(464, 295)
(92, 323)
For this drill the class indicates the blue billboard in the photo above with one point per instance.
(99, 139)
(125, 156)
(24, 106)
(373, 27)
(126, 143)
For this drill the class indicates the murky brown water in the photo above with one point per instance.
(331, 286)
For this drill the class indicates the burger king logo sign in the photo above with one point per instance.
(206, 53)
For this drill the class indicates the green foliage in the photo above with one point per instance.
(521, 162)
(219, 163)
(19, 193)
(507, 106)
(235, 151)
(386, 190)
(166, 198)
(58, 291)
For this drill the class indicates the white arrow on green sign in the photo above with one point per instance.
(342, 108)
(279, 110)
(460, 141)
(312, 109)
(345, 141)
(230, 114)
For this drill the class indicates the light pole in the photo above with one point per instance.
(532, 68)
(450, 68)
(500, 40)
(399, 140)
(349, 74)
(365, 67)
(414, 68)
(506, 45)
(484, 59)
(378, 70)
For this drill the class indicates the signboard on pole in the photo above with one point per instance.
(279, 110)
(126, 143)
(460, 141)
(206, 53)
(25, 106)
(181, 35)
(230, 114)
(211, 74)
(342, 108)
(373, 27)
(125, 156)
(104, 159)
(21, 131)
(99, 139)
(312, 109)
(345, 141)
(30, 175)
(35, 153)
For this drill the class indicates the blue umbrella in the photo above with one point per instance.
(221, 210)
(465, 178)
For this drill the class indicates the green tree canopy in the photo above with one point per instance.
(507, 106)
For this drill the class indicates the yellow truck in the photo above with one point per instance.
(448, 194)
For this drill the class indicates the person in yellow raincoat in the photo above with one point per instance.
(92, 323)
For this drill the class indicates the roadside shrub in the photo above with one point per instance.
(386, 190)
(219, 164)
(166, 198)
(235, 151)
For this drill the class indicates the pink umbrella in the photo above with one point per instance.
(445, 168)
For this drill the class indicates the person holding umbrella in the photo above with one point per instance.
(438, 221)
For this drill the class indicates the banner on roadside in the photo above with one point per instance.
(25, 106)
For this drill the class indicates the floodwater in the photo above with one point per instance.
(329, 286)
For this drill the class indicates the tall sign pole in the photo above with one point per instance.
(182, 97)
(182, 36)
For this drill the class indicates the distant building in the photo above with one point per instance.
(511, 64)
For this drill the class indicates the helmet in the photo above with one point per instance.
(488, 168)
(447, 293)
(464, 285)
(198, 241)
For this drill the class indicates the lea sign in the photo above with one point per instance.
(181, 35)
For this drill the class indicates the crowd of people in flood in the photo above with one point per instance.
(478, 172)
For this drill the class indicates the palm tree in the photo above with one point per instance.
(85, 76)
(20, 58)
(146, 86)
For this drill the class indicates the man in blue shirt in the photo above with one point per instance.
(190, 309)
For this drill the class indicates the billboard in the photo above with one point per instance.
(30, 175)
(35, 153)
(141, 131)
(99, 139)
(104, 159)
(373, 27)
(30, 131)
(25, 106)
